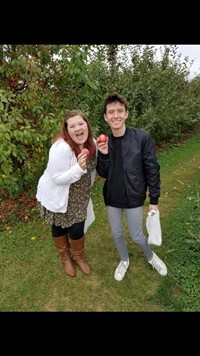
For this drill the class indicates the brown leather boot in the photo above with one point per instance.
(78, 251)
(63, 247)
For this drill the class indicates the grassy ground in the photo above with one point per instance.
(32, 277)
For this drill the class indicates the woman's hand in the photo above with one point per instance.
(82, 160)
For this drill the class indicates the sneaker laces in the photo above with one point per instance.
(123, 265)
(157, 265)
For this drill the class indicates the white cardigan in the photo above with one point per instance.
(62, 170)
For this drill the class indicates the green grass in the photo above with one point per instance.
(32, 277)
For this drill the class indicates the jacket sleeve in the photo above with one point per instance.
(63, 167)
(151, 169)
(102, 164)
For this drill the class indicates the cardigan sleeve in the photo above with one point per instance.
(62, 165)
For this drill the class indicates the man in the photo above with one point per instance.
(128, 162)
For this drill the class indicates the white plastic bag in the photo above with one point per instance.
(90, 216)
(154, 228)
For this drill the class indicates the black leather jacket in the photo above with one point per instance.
(140, 167)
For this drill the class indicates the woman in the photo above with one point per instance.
(63, 191)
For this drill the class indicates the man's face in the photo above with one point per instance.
(116, 115)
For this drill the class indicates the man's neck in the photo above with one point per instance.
(119, 132)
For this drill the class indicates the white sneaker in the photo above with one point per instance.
(121, 270)
(158, 265)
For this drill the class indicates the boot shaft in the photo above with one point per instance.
(77, 247)
(63, 246)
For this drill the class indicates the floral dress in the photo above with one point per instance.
(79, 195)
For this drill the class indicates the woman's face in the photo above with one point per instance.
(77, 129)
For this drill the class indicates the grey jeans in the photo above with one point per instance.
(134, 218)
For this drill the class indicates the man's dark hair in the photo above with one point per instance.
(114, 97)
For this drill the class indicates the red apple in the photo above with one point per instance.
(102, 138)
(85, 151)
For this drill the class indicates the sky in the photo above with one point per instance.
(193, 52)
